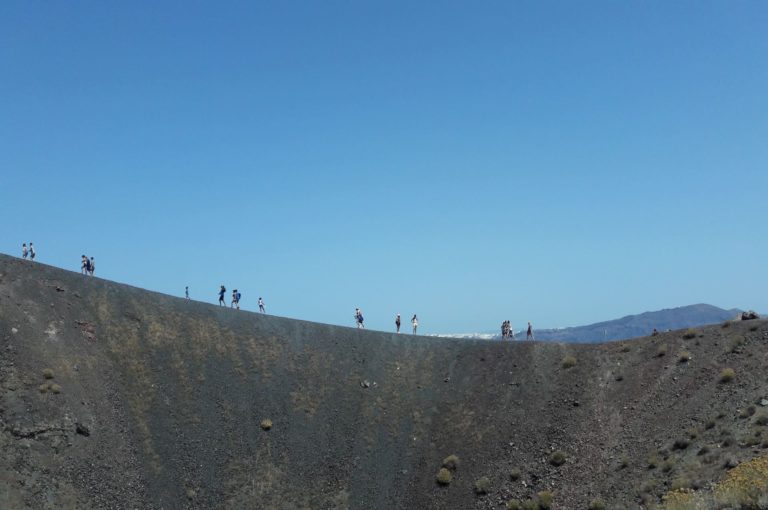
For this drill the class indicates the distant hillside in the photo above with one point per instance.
(633, 326)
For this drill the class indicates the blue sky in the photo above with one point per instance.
(559, 162)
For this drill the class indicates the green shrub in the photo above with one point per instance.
(727, 375)
(48, 373)
(444, 476)
(689, 333)
(596, 504)
(482, 485)
(545, 499)
(557, 458)
(451, 462)
(569, 361)
(514, 504)
(515, 474)
(530, 504)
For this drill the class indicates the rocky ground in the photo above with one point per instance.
(116, 397)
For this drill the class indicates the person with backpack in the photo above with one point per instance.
(24, 251)
(261, 305)
(31, 252)
(237, 299)
(84, 265)
(87, 266)
(359, 318)
(415, 323)
(92, 266)
(397, 322)
(222, 290)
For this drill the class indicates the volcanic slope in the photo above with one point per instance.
(115, 397)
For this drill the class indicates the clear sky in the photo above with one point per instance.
(559, 162)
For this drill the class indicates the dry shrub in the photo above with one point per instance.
(569, 361)
(444, 476)
(451, 462)
(727, 375)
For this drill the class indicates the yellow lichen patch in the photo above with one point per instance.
(745, 483)
(681, 499)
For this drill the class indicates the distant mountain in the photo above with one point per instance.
(631, 326)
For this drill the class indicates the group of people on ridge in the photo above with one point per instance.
(28, 252)
(235, 299)
(360, 321)
(87, 265)
(508, 333)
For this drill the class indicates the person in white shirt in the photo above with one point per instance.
(415, 323)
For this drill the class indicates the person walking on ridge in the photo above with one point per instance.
(24, 251)
(84, 265)
(91, 266)
(359, 319)
(222, 290)
(237, 299)
(186, 292)
(529, 335)
(397, 322)
(415, 323)
(261, 305)
(31, 252)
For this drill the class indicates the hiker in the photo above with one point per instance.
(359, 318)
(397, 322)
(84, 265)
(414, 323)
(529, 335)
(504, 330)
(222, 290)
(510, 331)
(186, 292)
(91, 266)
(655, 332)
(24, 251)
(31, 252)
(237, 299)
(261, 305)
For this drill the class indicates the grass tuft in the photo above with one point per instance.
(689, 333)
(596, 504)
(482, 486)
(48, 373)
(727, 375)
(662, 351)
(451, 462)
(545, 499)
(266, 424)
(684, 357)
(444, 476)
(515, 474)
(569, 361)
(557, 458)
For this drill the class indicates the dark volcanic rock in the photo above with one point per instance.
(164, 403)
